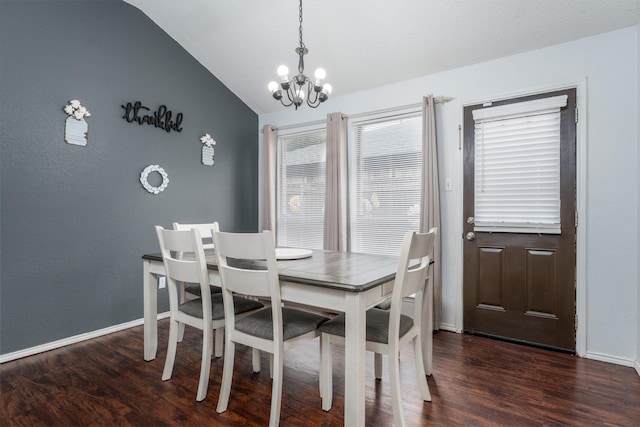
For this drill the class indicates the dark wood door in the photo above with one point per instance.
(521, 286)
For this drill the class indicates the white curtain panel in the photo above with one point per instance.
(336, 205)
(430, 200)
(268, 208)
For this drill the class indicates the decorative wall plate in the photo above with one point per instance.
(145, 175)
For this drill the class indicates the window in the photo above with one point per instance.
(301, 189)
(385, 180)
(517, 166)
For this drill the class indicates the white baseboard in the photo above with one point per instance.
(74, 339)
(450, 328)
(637, 366)
(611, 359)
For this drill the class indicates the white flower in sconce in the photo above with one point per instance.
(207, 140)
(76, 131)
(208, 152)
(76, 110)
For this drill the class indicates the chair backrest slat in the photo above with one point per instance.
(179, 242)
(247, 282)
(244, 245)
(183, 271)
(205, 229)
(414, 279)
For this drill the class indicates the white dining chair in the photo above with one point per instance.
(205, 313)
(247, 265)
(190, 291)
(388, 330)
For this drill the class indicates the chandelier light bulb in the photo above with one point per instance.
(283, 72)
(273, 86)
(326, 89)
(320, 74)
(298, 97)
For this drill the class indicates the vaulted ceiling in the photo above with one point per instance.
(369, 43)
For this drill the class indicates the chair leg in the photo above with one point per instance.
(183, 297)
(326, 372)
(255, 360)
(271, 366)
(227, 376)
(211, 345)
(427, 324)
(205, 366)
(218, 341)
(396, 399)
(276, 389)
(377, 362)
(321, 375)
(180, 332)
(422, 375)
(171, 349)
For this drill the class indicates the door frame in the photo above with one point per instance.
(581, 199)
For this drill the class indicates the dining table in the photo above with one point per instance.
(332, 281)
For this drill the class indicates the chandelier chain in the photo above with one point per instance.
(300, 29)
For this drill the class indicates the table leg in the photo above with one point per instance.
(427, 324)
(355, 362)
(150, 301)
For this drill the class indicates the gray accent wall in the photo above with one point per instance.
(75, 221)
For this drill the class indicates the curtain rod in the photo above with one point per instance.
(437, 100)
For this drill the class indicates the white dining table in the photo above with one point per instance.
(346, 282)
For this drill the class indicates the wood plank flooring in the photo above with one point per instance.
(476, 381)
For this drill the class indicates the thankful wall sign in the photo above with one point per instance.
(161, 118)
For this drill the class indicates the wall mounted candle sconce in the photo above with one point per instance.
(208, 152)
(76, 129)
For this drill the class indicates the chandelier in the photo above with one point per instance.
(294, 88)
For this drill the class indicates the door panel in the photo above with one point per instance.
(521, 286)
(541, 269)
(491, 289)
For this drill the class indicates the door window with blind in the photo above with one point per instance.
(301, 189)
(385, 176)
(517, 167)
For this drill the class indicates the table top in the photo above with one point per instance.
(347, 271)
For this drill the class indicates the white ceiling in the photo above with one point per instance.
(368, 43)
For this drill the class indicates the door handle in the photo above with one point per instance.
(470, 236)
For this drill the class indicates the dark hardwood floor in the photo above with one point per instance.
(476, 381)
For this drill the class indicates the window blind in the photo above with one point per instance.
(301, 189)
(385, 176)
(517, 167)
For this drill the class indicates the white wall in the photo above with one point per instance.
(607, 67)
